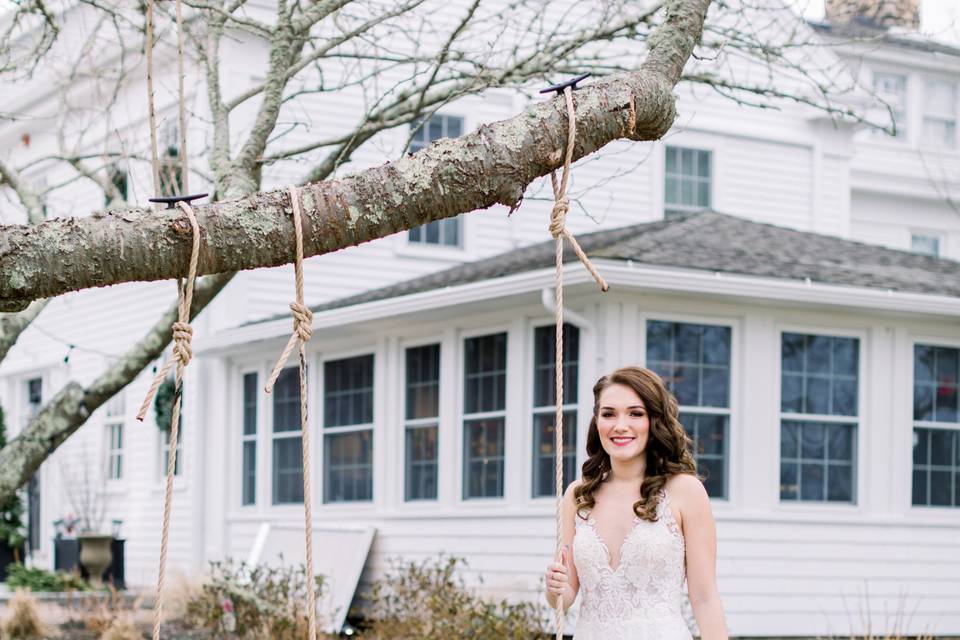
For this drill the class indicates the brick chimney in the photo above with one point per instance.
(875, 13)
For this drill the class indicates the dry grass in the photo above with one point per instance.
(23, 622)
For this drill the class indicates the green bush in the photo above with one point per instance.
(429, 601)
(11, 512)
(35, 579)
(240, 601)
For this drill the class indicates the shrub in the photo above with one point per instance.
(24, 622)
(36, 579)
(240, 601)
(108, 615)
(122, 628)
(429, 601)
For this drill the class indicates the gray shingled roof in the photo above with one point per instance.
(870, 33)
(711, 241)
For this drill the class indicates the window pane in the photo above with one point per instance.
(940, 489)
(686, 385)
(716, 345)
(844, 398)
(249, 472)
(941, 447)
(922, 402)
(485, 373)
(840, 483)
(421, 464)
(544, 361)
(483, 458)
(791, 352)
(708, 433)
(348, 391)
(348, 465)
(811, 482)
(812, 441)
(921, 446)
(840, 443)
(791, 393)
(819, 374)
(545, 457)
(919, 487)
(250, 404)
(716, 392)
(789, 487)
(287, 470)
(659, 341)
(845, 356)
(286, 401)
(790, 440)
(818, 354)
(423, 382)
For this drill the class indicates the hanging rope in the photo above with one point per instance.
(182, 353)
(184, 188)
(151, 110)
(302, 330)
(559, 231)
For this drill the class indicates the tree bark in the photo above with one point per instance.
(492, 165)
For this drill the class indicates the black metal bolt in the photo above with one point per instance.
(171, 201)
(572, 83)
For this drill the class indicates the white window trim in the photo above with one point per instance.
(910, 119)
(462, 337)
(273, 436)
(110, 422)
(733, 325)
(254, 438)
(693, 146)
(935, 341)
(401, 411)
(940, 235)
(323, 431)
(531, 411)
(952, 145)
(861, 459)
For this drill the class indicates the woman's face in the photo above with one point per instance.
(622, 422)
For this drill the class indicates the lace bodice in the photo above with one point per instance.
(642, 597)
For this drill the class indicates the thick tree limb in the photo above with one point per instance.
(492, 165)
(71, 407)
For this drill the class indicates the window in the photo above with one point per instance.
(687, 183)
(348, 429)
(287, 442)
(421, 422)
(165, 450)
(544, 407)
(891, 88)
(818, 426)
(484, 415)
(33, 401)
(171, 169)
(694, 361)
(444, 232)
(925, 244)
(113, 425)
(936, 430)
(940, 113)
(248, 468)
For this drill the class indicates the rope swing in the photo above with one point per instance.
(558, 230)
(302, 330)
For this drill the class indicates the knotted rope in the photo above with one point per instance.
(558, 230)
(182, 354)
(302, 330)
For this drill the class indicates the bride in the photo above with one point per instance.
(638, 522)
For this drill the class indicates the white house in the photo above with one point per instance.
(796, 280)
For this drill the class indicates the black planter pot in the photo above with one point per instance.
(8, 557)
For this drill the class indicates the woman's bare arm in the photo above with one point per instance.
(700, 536)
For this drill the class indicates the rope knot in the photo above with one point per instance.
(558, 216)
(302, 321)
(182, 337)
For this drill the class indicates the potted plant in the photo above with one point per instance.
(87, 497)
(11, 521)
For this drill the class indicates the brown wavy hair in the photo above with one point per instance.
(668, 445)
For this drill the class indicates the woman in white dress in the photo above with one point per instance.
(638, 522)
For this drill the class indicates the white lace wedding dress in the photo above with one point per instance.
(642, 598)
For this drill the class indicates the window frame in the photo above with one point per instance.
(913, 342)
(462, 416)
(699, 148)
(533, 411)
(114, 423)
(859, 499)
(939, 236)
(728, 411)
(925, 115)
(905, 128)
(323, 431)
(420, 423)
(418, 249)
(272, 437)
(251, 438)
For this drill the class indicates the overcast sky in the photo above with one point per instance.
(938, 18)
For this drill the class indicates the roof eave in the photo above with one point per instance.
(619, 273)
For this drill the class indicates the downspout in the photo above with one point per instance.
(548, 299)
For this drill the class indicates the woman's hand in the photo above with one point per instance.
(557, 577)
